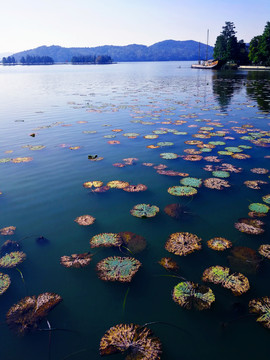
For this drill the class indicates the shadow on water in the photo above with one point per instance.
(258, 88)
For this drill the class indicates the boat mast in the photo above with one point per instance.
(199, 59)
(207, 44)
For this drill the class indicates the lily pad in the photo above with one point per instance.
(135, 243)
(4, 283)
(169, 156)
(85, 220)
(261, 306)
(176, 211)
(183, 243)
(266, 198)
(236, 282)
(137, 340)
(116, 268)
(169, 264)
(191, 181)
(144, 210)
(216, 183)
(182, 191)
(106, 240)
(219, 244)
(259, 208)
(117, 184)
(76, 260)
(28, 312)
(264, 250)
(135, 188)
(188, 295)
(249, 226)
(12, 259)
(221, 174)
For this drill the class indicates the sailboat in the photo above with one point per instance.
(207, 64)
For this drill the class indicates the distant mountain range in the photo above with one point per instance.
(168, 50)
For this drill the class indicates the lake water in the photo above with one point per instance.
(72, 110)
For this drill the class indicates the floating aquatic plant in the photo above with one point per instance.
(259, 208)
(12, 259)
(21, 159)
(236, 282)
(188, 295)
(219, 244)
(176, 211)
(135, 188)
(76, 260)
(137, 340)
(192, 157)
(116, 268)
(254, 184)
(169, 156)
(264, 250)
(249, 226)
(134, 242)
(183, 243)
(261, 306)
(244, 259)
(259, 170)
(215, 183)
(191, 181)
(95, 184)
(221, 174)
(9, 230)
(182, 191)
(85, 220)
(4, 283)
(144, 210)
(106, 240)
(169, 264)
(117, 184)
(266, 198)
(8, 247)
(28, 312)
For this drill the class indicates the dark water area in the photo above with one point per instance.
(73, 111)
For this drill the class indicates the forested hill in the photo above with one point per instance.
(161, 51)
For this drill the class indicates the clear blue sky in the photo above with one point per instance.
(26, 24)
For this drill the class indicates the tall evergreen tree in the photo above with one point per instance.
(259, 49)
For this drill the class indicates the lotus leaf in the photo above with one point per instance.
(5, 160)
(116, 268)
(217, 143)
(191, 181)
(21, 159)
(76, 260)
(233, 149)
(12, 259)
(192, 151)
(85, 220)
(160, 132)
(266, 198)
(165, 143)
(249, 226)
(236, 282)
(259, 208)
(169, 156)
(193, 157)
(176, 211)
(101, 189)
(144, 210)
(221, 174)
(130, 161)
(137, 340)
(135, 188)
(264, 250)
(219, 244)
(135, 243)
(183, 243)
(169, 264)
(215, 183)
(118, 184)
(262, 307)
(28, 312)
(171, 173)
(182, 191)
(254, 184)
(188, 294)
(95, 184)
(9, 230)
(259, 170)
(241, 156)
(106, 240)
(113, 142)
(151, 137)
(131, 135)
(4, 283)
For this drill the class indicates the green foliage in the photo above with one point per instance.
(89, 59)
(36, 60)
(10, 60)
(227, 47)
(259, 49)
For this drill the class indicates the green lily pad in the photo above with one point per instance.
(116, 268)
(259, 208)
(144, 210)
(168, 156)
(266, 198)
(106, 240)
(191, 181)
(233, 149)
(262, 307)
(165, 143)
(221, 174)
(182, 190)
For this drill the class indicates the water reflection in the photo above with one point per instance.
(225, 84)
(258, 88)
